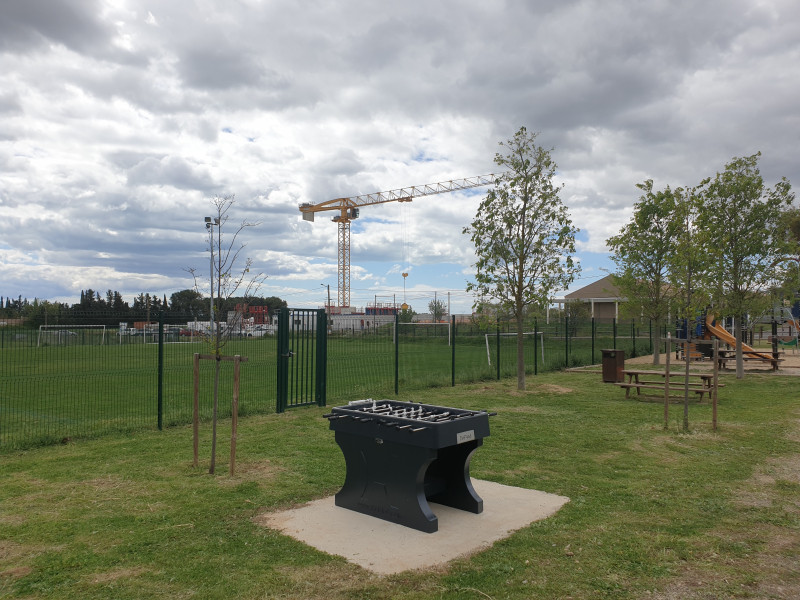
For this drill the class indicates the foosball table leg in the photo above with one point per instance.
(448, 482)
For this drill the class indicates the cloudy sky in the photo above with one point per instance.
(121, 119)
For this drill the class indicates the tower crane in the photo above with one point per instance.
(348, 209)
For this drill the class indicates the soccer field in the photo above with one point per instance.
(57, 391)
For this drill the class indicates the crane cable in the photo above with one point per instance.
(404, 233)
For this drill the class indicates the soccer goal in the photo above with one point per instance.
(539, 334)
(64, 335)
(422, 331)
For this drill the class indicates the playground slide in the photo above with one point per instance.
(723, 334)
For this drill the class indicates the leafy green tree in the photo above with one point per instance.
(44, 312)
(406, 315)
(274, 304)
(643, 252)
(789, 231)
(437, 310)
(741, 219)
(188, 302)
(523, 237)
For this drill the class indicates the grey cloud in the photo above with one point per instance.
(10, 103)
(215, 67)
(173, 171)
(29, 24)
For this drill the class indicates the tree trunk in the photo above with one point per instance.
(738, 333)
(687, 356)
(520, 354)
(657, 343)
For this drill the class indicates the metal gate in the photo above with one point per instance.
(302, 357)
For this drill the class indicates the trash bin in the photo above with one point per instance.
(613, 363)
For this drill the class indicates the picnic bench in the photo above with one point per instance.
(726, 356)
(703, 384)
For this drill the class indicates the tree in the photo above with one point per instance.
(741, 219)
(437, 310)
(643, 252)
(228, 279)
(406, 315)
(689, 274)
(789, 231)
(523, 237)
(274, 303)
(188, 302)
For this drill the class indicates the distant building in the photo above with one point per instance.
(603, 296)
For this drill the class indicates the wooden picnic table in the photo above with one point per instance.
(726, 356)
(705, 385)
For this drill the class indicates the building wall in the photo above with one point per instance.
(605, 310)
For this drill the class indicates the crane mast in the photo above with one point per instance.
(348, 209)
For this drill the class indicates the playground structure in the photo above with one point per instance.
(790, 341)
(712, 330)
(707, 328)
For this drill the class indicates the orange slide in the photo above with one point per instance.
(723, 334)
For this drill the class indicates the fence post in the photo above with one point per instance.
(594, 331)
(535, 349)
(453, 348)
(282, 376)
(397, 354)
(633, 338)
(566, 342)
(160, 370)
(614, 332)
(321, 375)
(498, 350)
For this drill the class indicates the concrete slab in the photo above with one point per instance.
(386, 548)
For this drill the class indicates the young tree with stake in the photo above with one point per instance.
(227, 281)
(523, 236)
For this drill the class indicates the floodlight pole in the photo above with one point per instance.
(210, 226)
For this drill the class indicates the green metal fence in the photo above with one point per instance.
(77, 381)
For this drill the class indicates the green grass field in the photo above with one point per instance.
(652, 513)
(73, 390)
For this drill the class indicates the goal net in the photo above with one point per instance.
(526, 334)
(70, 335)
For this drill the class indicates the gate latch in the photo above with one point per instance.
(289, 354)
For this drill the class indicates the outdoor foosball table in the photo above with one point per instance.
(401, 455)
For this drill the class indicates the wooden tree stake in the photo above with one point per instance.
(196, 403)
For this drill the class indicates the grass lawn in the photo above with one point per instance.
(652, 513)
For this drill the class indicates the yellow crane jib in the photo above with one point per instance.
(348, 209)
